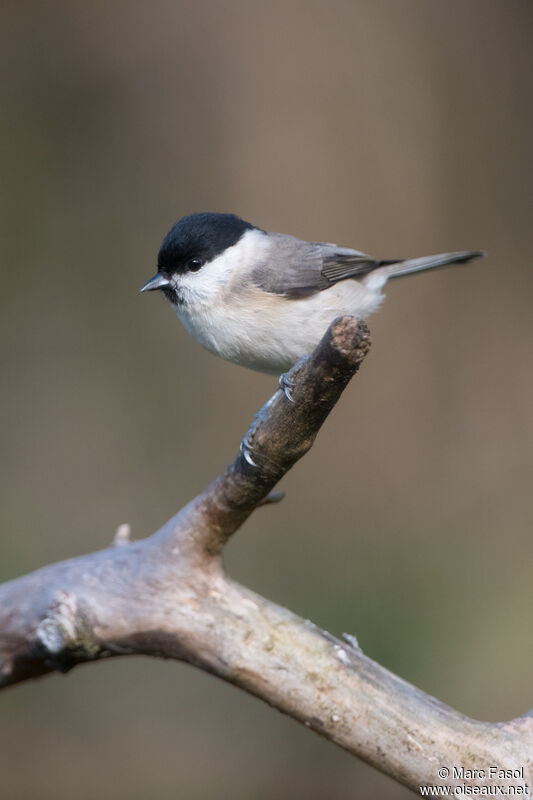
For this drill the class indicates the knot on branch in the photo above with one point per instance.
(65, 634)
(122, 535)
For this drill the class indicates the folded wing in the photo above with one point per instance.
(298, 269)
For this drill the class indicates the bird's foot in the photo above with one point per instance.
(247, 450)
(287, 385)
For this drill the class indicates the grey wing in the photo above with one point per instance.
(296, 268)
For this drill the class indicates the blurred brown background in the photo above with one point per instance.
(401, 128)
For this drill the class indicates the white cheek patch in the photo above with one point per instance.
(203, 287)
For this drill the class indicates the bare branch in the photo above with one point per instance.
(281, 433)
(168, 596)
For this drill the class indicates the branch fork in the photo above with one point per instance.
(168, 596)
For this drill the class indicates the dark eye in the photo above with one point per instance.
(194, 264)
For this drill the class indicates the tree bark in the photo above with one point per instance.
(168, 596)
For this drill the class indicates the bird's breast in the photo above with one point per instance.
(267, 332)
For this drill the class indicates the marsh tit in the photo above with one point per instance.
(263, 300)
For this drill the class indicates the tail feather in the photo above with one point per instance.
(396, 270)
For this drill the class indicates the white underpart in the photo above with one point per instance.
(236, 320)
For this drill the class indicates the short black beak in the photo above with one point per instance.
(157, 282)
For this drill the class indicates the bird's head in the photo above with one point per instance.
(191, 257)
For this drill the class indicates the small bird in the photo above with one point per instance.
(263, 300)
